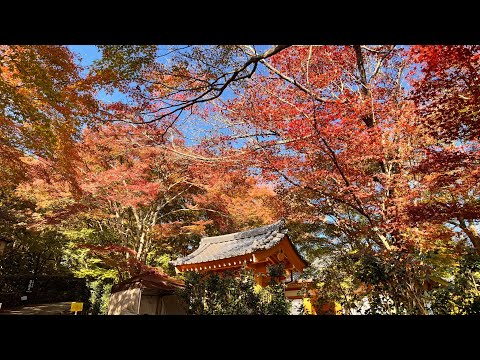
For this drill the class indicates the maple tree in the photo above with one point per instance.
(330, 141)
(127, 188)
(144, 199)
(446, 94)
(234, 200)
(336, 132)
(44, 103)
(164, 84)
(370, 152)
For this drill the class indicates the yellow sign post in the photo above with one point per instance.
(76, 306)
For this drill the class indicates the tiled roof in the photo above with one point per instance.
(149, 280)
(236, 244)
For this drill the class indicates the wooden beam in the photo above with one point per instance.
(292, 255)
(294, 294)
(259, 267)
(264, 254)
(288, 265)
(285, 246)
(215, 265)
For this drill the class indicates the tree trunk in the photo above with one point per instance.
(141, 246)
(472, 234)
(367, 118)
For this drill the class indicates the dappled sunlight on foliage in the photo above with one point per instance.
(231, 293)
(370, 152)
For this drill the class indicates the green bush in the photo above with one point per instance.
(233, 293)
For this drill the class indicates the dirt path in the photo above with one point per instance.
(61, 308)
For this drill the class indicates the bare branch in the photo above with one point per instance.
(195, 209)
(234, 76)
(294, 82)
(373, 50)
(361, 70)
(380, 62)
(308, 62)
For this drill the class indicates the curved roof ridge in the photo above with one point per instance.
(235, 244)
(276, 226)
(201, 248)
(218, 238)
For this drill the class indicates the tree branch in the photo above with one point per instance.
(294, 82)
(379, 63)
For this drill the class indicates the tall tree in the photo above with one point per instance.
(379, 183)
(333, 128)
(167, 83)
(446, 90)
(143, 198)
(44, 102)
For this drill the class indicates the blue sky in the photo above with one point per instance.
(190, 127)
(89, 53)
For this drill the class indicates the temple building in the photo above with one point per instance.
(254, 249)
